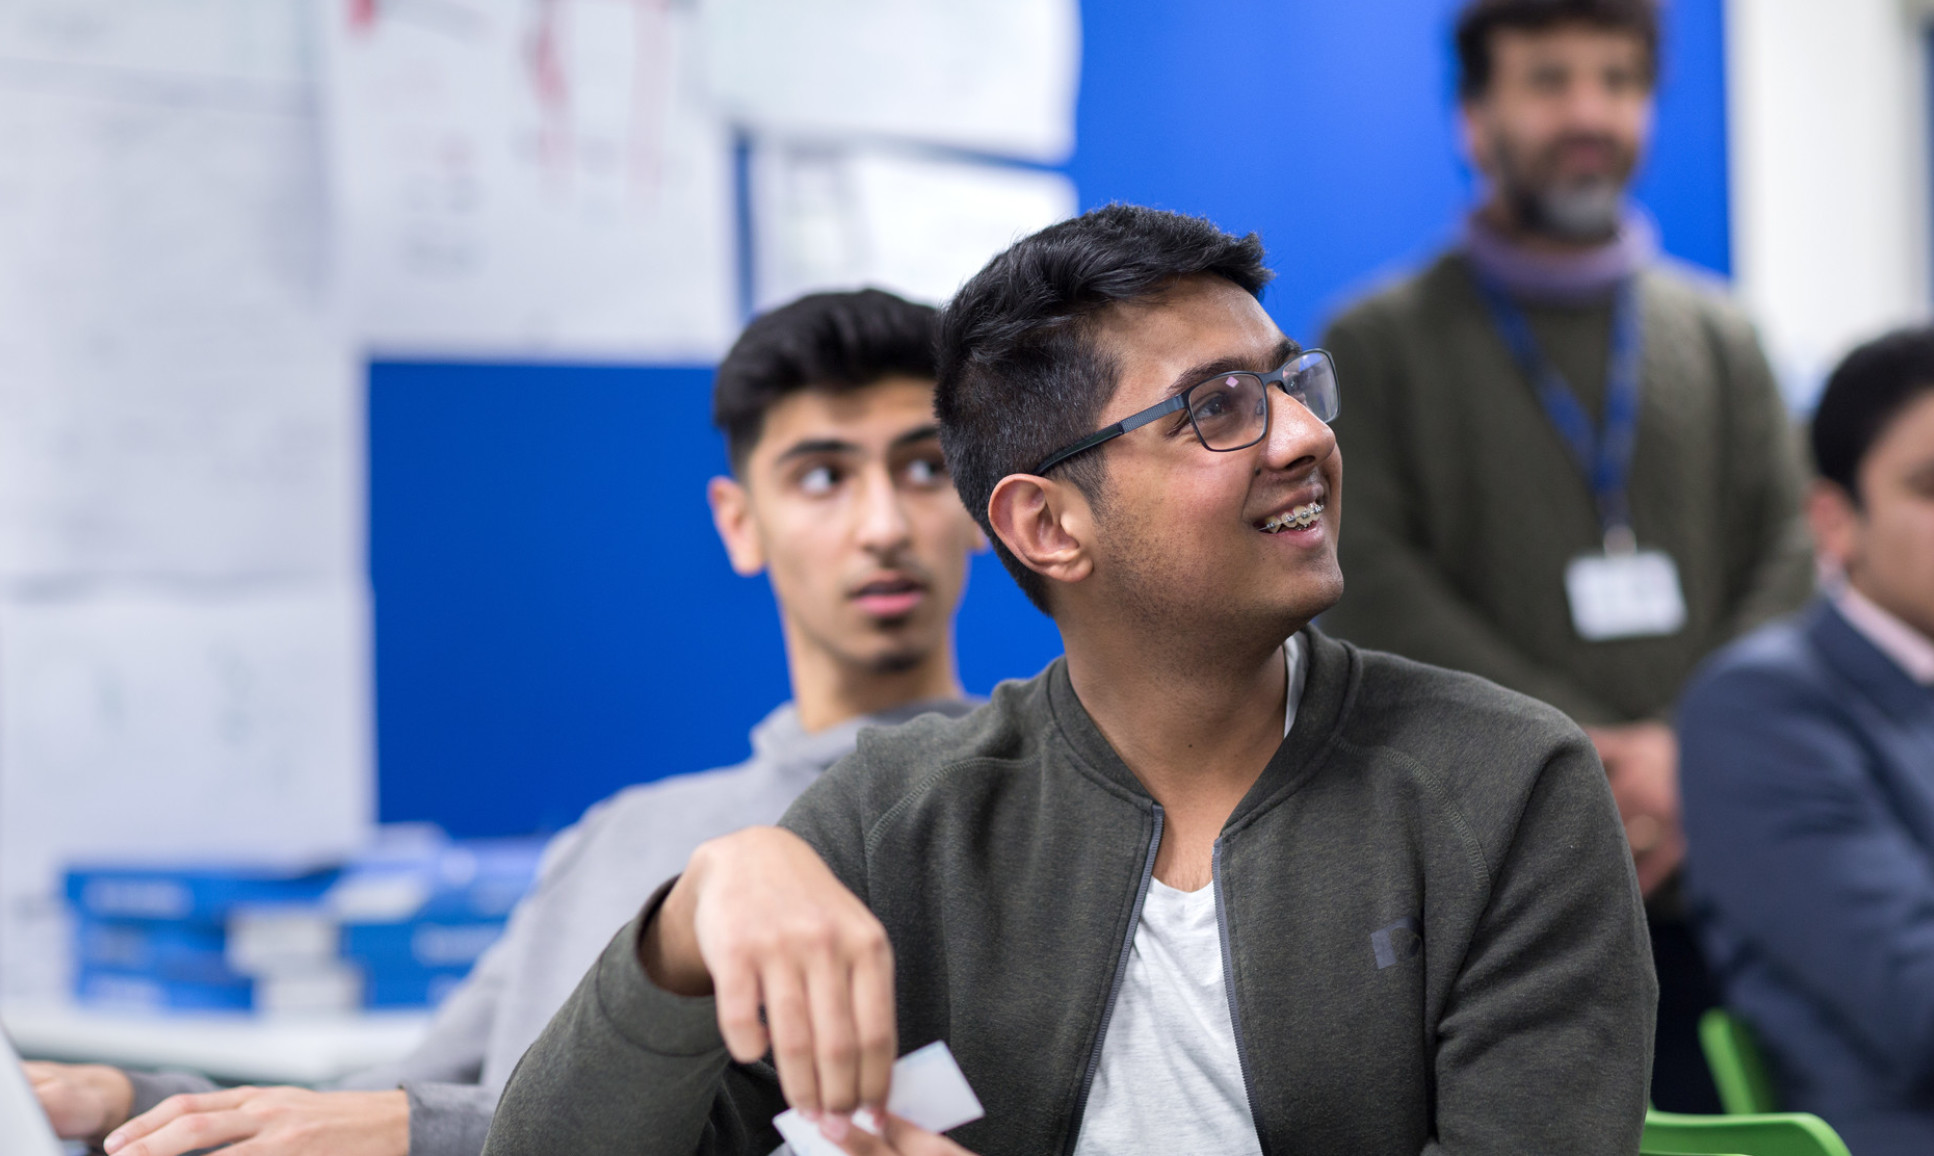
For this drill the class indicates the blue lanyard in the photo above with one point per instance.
(1603, 452)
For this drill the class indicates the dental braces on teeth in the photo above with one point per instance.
(1297, 519)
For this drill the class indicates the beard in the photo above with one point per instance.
(1585, 210)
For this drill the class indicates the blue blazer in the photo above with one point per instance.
(1807, 765)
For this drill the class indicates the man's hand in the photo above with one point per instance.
(270, 1122)
(758, 919)
(1642, 762)
(899, 1139)
(83, 1101)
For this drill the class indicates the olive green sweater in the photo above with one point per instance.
(1464, 506)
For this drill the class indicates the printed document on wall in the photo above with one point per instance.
(172, 728)
(993, 76)
(529, 177)
(176, 397)
(831, 218)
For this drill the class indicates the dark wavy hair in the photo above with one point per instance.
(826, 341)
(1481, 19)
(1867, 391)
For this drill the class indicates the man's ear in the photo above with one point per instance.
(732, 514)
(1835, 523)
(1046, 524)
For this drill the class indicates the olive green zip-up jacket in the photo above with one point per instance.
(1432, 934)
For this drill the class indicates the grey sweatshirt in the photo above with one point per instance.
(1432, 936)
(594, 876)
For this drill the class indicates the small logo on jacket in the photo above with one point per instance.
(1402, 940)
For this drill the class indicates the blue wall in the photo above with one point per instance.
(554, 615)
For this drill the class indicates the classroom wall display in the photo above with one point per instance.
(176, 399)
(529, 178)
(987, 76)
(183, 607)
(833, 217)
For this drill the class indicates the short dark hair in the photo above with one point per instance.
(1867, 391)
(1480, 19)
(1020, 373)
(828, 341)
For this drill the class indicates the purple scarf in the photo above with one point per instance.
(1577, 278)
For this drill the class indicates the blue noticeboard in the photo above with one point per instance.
(554, 616)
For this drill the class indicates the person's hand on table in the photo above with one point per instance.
(82, 1101)
(269, 1122)
(1642, 763)
(759, 921)
(898, 1138)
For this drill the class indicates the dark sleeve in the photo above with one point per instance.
(626, 1067)
(449, 1119)
(1545, 1044)
(831, 815)
(1394, 599)
(1795, 849)
(1770, 555)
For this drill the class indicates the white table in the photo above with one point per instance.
(241, 1048)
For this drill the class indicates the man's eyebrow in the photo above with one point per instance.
(918, 434)
(1281, 352)
(816, 447)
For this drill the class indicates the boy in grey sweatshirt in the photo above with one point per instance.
(840, 493)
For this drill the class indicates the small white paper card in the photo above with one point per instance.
(928, 1092)
(1632, 595)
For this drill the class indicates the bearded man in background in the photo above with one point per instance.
(1570, 468)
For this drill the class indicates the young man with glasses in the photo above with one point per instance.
(839, 493)
(1213, 882)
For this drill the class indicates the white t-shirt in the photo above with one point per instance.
(1170, 1079)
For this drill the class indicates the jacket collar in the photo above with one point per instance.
(1319, 716)
(1859, 661)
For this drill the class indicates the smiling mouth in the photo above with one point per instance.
(1293, 520)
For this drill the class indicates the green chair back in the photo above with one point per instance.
(1782, 1134)
(1738, 1068)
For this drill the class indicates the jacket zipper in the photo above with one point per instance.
(1114, 987)
(1229, 989)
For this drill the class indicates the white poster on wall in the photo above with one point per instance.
(918, 224)
(230, 727)
(529, 178)
(176, 397)
(992, 76)
(184, 635)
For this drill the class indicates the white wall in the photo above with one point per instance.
(1829, 174)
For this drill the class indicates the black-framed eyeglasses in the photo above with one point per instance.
(1229, 411)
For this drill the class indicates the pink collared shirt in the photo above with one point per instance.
(1911, 650)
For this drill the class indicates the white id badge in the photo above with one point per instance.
(1633, 595)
